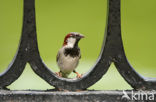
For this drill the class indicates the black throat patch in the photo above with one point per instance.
(73, 52)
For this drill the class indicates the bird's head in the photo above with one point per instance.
(72, 39)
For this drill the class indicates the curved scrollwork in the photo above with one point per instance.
(112, 51)
(87, 80)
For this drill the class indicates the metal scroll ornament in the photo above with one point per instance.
(112, 51)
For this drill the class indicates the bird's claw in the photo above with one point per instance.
(79, 76)
(58, 74)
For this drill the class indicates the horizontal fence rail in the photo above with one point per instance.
(112, 51)
(83, 96)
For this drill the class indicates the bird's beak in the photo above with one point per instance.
(82, 36)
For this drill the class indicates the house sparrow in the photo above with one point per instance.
(68, 56)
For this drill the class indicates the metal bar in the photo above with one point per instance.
(83, 96)
(112, 51)
(18, 63)
(95, 74)
(119, 58)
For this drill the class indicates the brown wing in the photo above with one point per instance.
(79, 53)
(58, 56)
(80, 56)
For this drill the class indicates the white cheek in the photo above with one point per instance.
(71, 42)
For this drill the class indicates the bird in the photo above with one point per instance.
(69, 55)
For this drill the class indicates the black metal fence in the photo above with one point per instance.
(112, 51)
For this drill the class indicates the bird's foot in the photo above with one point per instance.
(79, 75)
(58, 74)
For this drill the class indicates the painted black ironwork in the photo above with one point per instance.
(112, 51)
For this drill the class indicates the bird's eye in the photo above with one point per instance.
(72, 36)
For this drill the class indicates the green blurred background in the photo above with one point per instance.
(56, 18)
